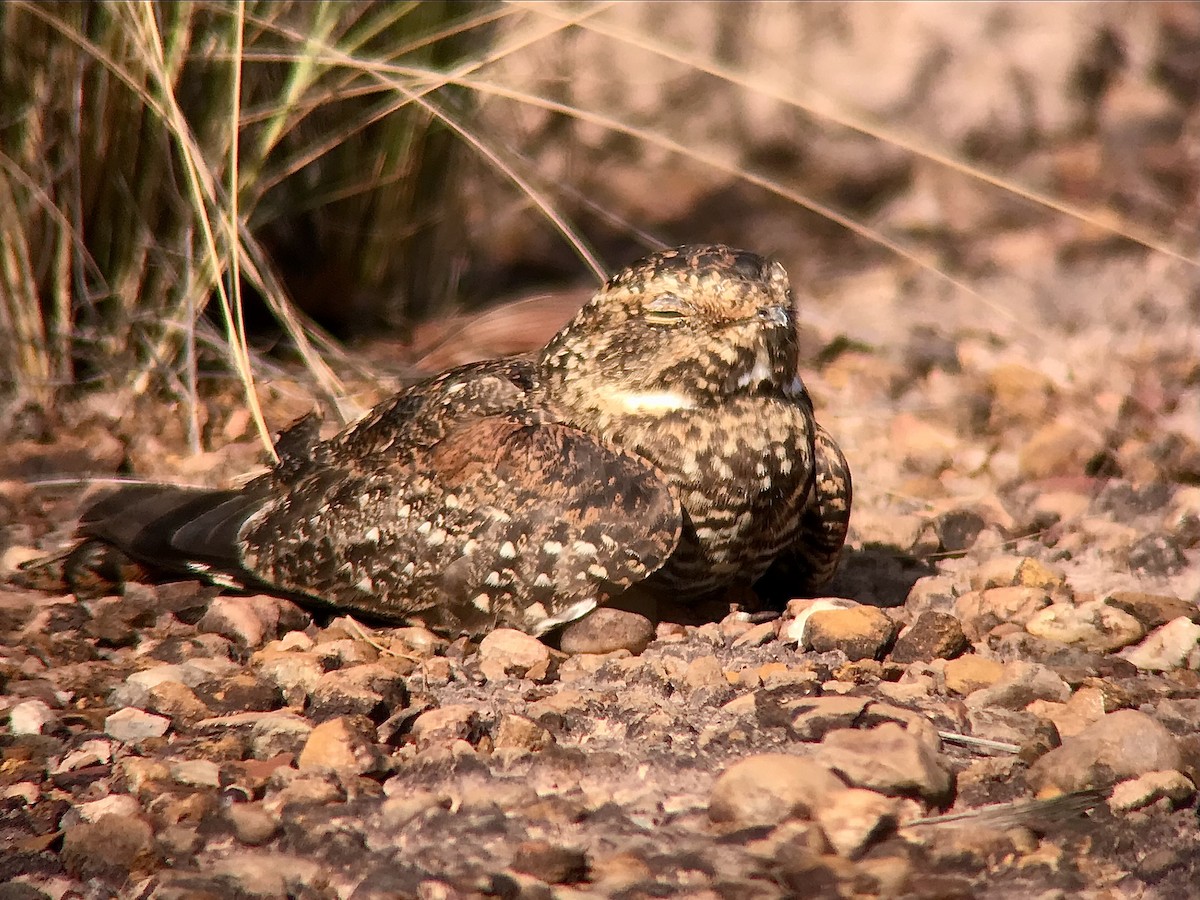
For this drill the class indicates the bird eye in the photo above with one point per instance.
(666, 309)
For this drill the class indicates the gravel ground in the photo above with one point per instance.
(997, 699)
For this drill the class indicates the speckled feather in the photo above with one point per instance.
(663, 436)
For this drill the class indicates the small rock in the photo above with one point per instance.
(606, 630)
(1059, 448)
(1153, 610)
(853, 818)
(1017, 571)
(1170, 647)
(1122, 745)
(337, 744)
(1149, 788)
(888, 759)
(932, 593)
(294, 672)
(374, 690)
(969, 673)
(1093, 625)
(1021, 684)
(196, 772)
(112, 848)
(178, 702)
(1087, 705)
(768, 788)
(130, 725)
(416, 641)
(934, 635)
(275, 733)
(705, 672)
(506, 652)
(30, 717)
(445, 724)
(802, 609)
(550, 863)
(252, 824)
(756, 635)
(814, 717)
(112, 805)
(981, 611)
(518, 732)
(1019, 397)
(861, 632)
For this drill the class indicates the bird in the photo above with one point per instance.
(662, 441)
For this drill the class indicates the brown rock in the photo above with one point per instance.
(518, 732)
(112, 848)
(1122, 745)
(178, 702)
(337, 744)
(852, 819)
(1019, 396)
(1149, 788)
(1059, 448)
(770, 787)
(508, 652)
(1021, 684)
(970, 673)
(606, 630)
(1093, 625)
(1017, 571)
(814, 717)
(890, 760)
(551, 863)
(981, 611)
(1153, 610)
(1171, 647)
(445, 724)
(861, 632)
(252, 824)
(934, 635)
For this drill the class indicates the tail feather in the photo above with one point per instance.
(172, 528)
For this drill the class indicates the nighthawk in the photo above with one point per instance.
(662, 438)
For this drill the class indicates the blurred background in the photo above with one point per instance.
(210, 209)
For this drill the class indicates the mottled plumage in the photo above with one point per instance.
(663, 437)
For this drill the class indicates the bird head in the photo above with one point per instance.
(685, 328)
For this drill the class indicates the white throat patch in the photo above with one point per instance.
(649, 401)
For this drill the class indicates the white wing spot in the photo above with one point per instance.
(482, 602)
(507, 550)
(553, 548)
(583, 548)
(372, 535)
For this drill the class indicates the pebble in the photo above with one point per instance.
(1059, 448)
(30, 717)
(276, 733)
(606, 630)
(852, 819)
(115, 847)
(507, 652)
(252, 824)
(800, 610)
(445, 724)
(888, 759)
(1019, 685)
(1094, 625)
(551, 863)
(374, 690)
(295, 672)
(521, 733)
(981, 611)
(178, 702)
(338, 744)
(970, 673)
(1149, 788)
(1122, 745)
(1169, 647)
(861, 632)
(768, 788)
(814, 717)
(1153, 610)
(1017, 571)
(934, 635)
(130, 725)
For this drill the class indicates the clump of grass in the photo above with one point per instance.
(156, 156)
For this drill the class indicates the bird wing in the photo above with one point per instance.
(503, 521)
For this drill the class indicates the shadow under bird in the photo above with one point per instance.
(662, 439)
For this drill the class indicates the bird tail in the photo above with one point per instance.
(172, 528)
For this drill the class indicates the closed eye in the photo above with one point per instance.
(666, 309)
